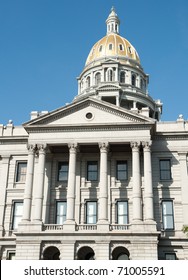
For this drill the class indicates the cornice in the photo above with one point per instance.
(89, 128)
(171, 136)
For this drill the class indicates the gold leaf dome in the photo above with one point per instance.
(112, 45)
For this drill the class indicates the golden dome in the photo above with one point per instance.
(112, 45)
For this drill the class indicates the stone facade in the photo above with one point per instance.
(100, 178)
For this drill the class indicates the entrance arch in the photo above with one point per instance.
(120, 253)
(86, 253)
(51, 253)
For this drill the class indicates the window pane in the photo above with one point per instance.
(122, 212)
(165, 170)
(122, 170)
(92, 171)
(61, 212)
(21, 171)
(91, 212)
(63, 169)
(17, 214)
(168, 216)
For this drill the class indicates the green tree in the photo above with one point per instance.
(185, 229)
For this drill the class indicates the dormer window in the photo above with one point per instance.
(120, 47)
(100, 48)
(129, 49)
(110, 47)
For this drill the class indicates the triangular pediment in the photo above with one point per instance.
(88, 112)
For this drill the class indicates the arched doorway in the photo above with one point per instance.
(85, 253)
(51, 253)
(120, 253)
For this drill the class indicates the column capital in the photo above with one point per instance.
(42, 148)
(147, 145)
(104, 146)
(31, 148)
(135, 145)
(72, 147)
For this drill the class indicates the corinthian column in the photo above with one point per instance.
(29, 183)
(71, 183)
(148, 192)
(103, 195)
(137, 210)
(39, 190)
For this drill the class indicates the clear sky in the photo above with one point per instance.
(44, 45)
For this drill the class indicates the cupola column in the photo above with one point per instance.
(29, 183)
(137, 210)
(148, 192)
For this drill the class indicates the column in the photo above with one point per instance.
(148, 191)
(137, 210)
(40, 183)
(29, 183)
(3, 188)
(103, 194)
(184, 184)
(71, 184)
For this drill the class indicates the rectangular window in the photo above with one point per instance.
(167, 214)
(92, 170)
(17, 214)
(170, 256)
(91, 212)
(21, 171)
(122, 212)
(165, 169)
(63, 169)
(121, 170)
(61, 211)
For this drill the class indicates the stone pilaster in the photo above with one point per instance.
(184, 184)
(5, 159)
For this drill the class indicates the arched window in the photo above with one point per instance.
(133, 81)
(120, 47)
(88, 82)
(122, 77)
(141, 83)
(97, 78)
(110, 75)
(100, 48)
(51, 253)
(120, 253)
(86, 253)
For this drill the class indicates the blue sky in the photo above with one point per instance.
(44, 45)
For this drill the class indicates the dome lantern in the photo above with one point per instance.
(112, 22)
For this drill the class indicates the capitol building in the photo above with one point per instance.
(101, 178)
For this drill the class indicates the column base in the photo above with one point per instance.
(30, 226)
(103, 225)
(69, 225)
(143, 226)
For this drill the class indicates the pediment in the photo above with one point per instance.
(88, 112)
(109, 87)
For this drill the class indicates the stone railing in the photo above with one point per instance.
(119, 227)
(52, 227)
(86, 227)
